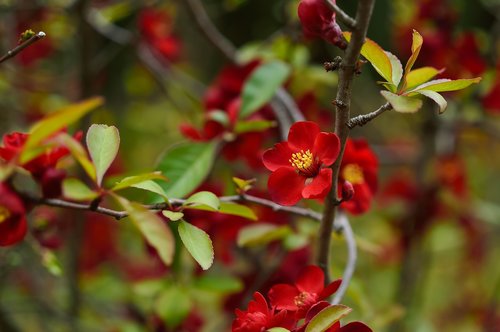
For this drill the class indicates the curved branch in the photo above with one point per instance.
(118, 214)
(342, 222)
(342, 16)
(18, 49)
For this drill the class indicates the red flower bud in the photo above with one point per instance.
(51, 182)
(318, 20)
(347, 191)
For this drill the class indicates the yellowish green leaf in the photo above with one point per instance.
(436, 97)
(76, 190)
(198, 244)
(402, 104)
(78, 152)
(204, 198)
(103, 143)
(172, 215)
(419, 76)
(261, 234)
(327, 317)
(445, 84)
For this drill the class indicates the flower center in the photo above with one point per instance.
(304, 163)
(305, 299)
(353, 173)
(4, 213)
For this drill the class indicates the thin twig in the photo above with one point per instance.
(117, 214)
(12, 53)
(342, 222)
(342, 16)
(363, 119)
(226, 48)
(210, 31)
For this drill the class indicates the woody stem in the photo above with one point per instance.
(347, 72)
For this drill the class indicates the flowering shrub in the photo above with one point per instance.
(222, 180)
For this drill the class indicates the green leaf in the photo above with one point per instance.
(219, 284)
(253, 126)
(76, 190)
(229, 208)
(78, 152)
(397, 69)
(152, 227)
(172, 215)
(402, 104)
(151, 186)
(327, 317)
(376, 56)
(416, 45)
(136, 179)
(446, 84)
(256, 235)
(187, 166)
(173, 305)
(204, 198)
(220, 117)
(6, 170)
(419, 76)
(51, 262)
(436, 97)
(198, 244)
(261, 86)
(103, 143)
(57, 121)
(277, 329)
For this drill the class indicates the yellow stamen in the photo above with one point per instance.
(302, 161)
(4, 213)
(353, 173)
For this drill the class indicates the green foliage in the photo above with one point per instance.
(186, 165)
(261, 86)
(54, 123)
(229, 208)
(219, 284)
(404, 87)
(173, 305)
(205, 198)
(103, 143)
(76, 190)
(152, 227)
(260, 234)
(327, 317)
(198, 244)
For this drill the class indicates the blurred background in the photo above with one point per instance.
(428, 245)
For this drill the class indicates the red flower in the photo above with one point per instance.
(298, 164)
(359, 167)
(156, 26)
(259, 317)
(318, 20)
(308, 290)
(13, 225)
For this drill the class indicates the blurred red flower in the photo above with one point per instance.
(318, 20)
(156, 27)
(13, 224)
(259, 317)
(308, 290)
(359, 167)
(298, 164)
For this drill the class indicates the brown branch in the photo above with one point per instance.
(347, 71)
(118, 214)
(342, 16)
(363, 119)
(12, 53)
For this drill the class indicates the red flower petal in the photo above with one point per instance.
(277, 157)
(361, 201)
(311, 280)
(302, 135)
(326, 148)
(282, 296)
(320, 185)
(330, 289)
(285, 186)
(259, 304)
(355, 327)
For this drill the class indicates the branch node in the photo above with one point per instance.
(333, 65)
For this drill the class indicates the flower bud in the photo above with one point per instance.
(347, 191)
